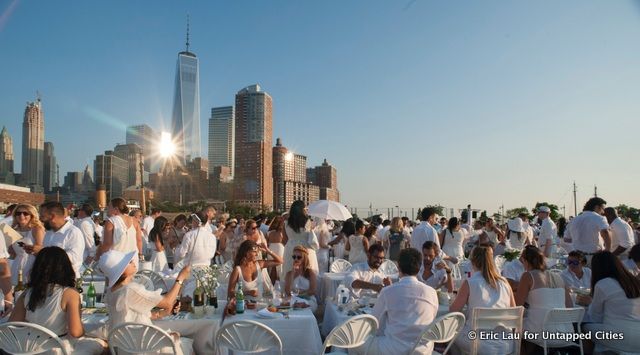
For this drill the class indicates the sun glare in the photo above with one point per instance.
(167, 147)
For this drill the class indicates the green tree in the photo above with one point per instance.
(514, 212)
(483, 217)
(554, 215)
(439, 209)
(418, 216)
(628, 212)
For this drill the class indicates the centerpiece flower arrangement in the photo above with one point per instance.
(511, 254)
(208, 278)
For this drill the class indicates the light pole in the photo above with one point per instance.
(143, 203)
(398, 207)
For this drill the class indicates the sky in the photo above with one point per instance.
(414, 102)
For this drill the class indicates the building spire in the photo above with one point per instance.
(187, 32)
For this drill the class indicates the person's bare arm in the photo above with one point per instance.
(366, 285)
(72, 307)
(461, 299)
(107, 239)
(169, 298)
(313, 282)
(19, 310)
(365, 244)
(277, 259)
(5, 280)
(526, 281)
(606, 236)
(139, 238)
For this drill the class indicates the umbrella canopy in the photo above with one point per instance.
(326, 209)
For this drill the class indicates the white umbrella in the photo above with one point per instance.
(326, 209)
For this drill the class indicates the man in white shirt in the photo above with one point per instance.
(590, 231)
(86, 225)
(147, 226)
(548, 231)
(367, 275)
(8, 215)
(406, 225)
(60, 233)
(622, 237)
(434, 271)
(380, 232)
(198, 246)
(425, 231)
(403, 310)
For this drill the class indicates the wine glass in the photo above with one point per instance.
(295, 290)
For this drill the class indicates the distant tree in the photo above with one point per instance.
(514, 212)
(419, 213)
(483, 217)
(439, 209)
(464, 214)
(554, 210)
(628, 212)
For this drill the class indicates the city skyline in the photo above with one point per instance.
(492, 104)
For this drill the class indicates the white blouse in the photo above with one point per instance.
(572, 280)
(131, 303)
(610, 304)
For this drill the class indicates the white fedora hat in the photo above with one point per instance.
(113, 263)
(515, 225)
(544, 209)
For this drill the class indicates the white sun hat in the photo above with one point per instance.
(544, 209)
(515, 225)
(113, 263)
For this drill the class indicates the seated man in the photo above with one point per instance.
(367, 275)
(403, 310)
(434, 271)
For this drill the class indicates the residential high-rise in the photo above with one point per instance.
(222, 131)
(290, 179)
(6, 152)
(253, 179)
(185, 122)
(33, 146)
(112, 172)
(50, 171)
(132, 153)
(145, 137)
(326, 177)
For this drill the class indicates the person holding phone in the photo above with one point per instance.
(26, 221)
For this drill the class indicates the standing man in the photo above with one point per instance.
(147, 226)
(86, 225)
(424, 231)
(496, 236)
(622, 237)
(548, 231)
(589, 230)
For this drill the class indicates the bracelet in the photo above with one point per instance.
(179, 282)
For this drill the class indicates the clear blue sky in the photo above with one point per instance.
(414, 102)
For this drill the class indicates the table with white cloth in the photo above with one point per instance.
(333, 316)
(331, 280)
(299, 333)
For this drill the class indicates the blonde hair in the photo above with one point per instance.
(306, 266)
(35, 216)
(396, 224)
(482, 258)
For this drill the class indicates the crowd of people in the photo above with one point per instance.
(597, 255)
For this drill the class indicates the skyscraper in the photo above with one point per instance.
(253, 178)
(290, 179)
(6, 152)
(326, 177)
(50, 171)
(33, 146)
(145, 137)
(111, 172)
(222, 132)
(132, 153)
(185, 122)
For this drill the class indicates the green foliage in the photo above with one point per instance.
(439, 209)
(514, 212)
(628, 212)
(554, 210)
(483, 217)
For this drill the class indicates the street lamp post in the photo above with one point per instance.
(143, 203)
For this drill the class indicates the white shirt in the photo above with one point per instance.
(621, 235)
(513, 270)
(631, 266)
(380, 232)
(203, 249)
(548, 232)
(403, 311)
(585, 232)
(437, 279)
(363, 272)
(147, 226)
(264, 228)
(610, 304)
(87, 227)
(422, 233)
(69, 238)
(572, 280)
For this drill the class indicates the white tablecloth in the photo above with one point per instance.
(299, 334)
(330, 282)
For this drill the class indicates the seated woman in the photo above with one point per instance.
(302, 278)
(485, 288)
(52, 301)
(128, 301)
(576, 274)
(249, 270)
(542, 290)
(614, 303)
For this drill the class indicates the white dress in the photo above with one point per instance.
(453, 244)
(124, 239)
(23, 260)
(481, 294)
(260, 283)
(357, 254)
(278, 249)
(303, 285)
(158, 260)
(305, 238)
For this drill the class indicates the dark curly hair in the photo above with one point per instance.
(244, 248)
(51, 267)
(158, 227)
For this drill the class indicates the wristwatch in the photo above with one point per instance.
(179, 282)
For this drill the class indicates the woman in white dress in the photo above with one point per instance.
(542, 290)
(452, 239)
(516, 237)
(485, 288)
(297, 232)
(53, 302)
(357, 245)
(301, 280)
(156, 240)
(121, 232)
(226, 240)
(324, 237)
(251, 271)
(26, 221)
(275, 238)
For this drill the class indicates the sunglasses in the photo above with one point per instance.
(22, 213)
(296, 257)
(253, 228)
(573, 262)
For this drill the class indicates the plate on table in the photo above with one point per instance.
(264, 313)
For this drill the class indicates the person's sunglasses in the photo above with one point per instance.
(573, 262)
(22, 213)
(296, 257)
(253, 228)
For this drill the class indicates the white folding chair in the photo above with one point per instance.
(28, 338)
(558, 267)
(247, 336)
(340, 265)
(144, 281)
(443, 329)
(491, 318)
(156, 278)
(351, 333)
(561, 316)
(388, 267)
(140, 338)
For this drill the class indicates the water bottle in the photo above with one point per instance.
(277, 294)
(1, 302)
(342, 294)
(239, 298)
(91, 296)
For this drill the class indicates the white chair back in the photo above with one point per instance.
(140, 338)
(352, 333)
(247, 336)
(340, 265)
(156, 278)
(490, 318)
(144, 281)
(28, 338)
(388, 267)
(444, 329)
(566, 316)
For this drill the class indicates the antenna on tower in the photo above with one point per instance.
(187, 32)
(38, 95)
